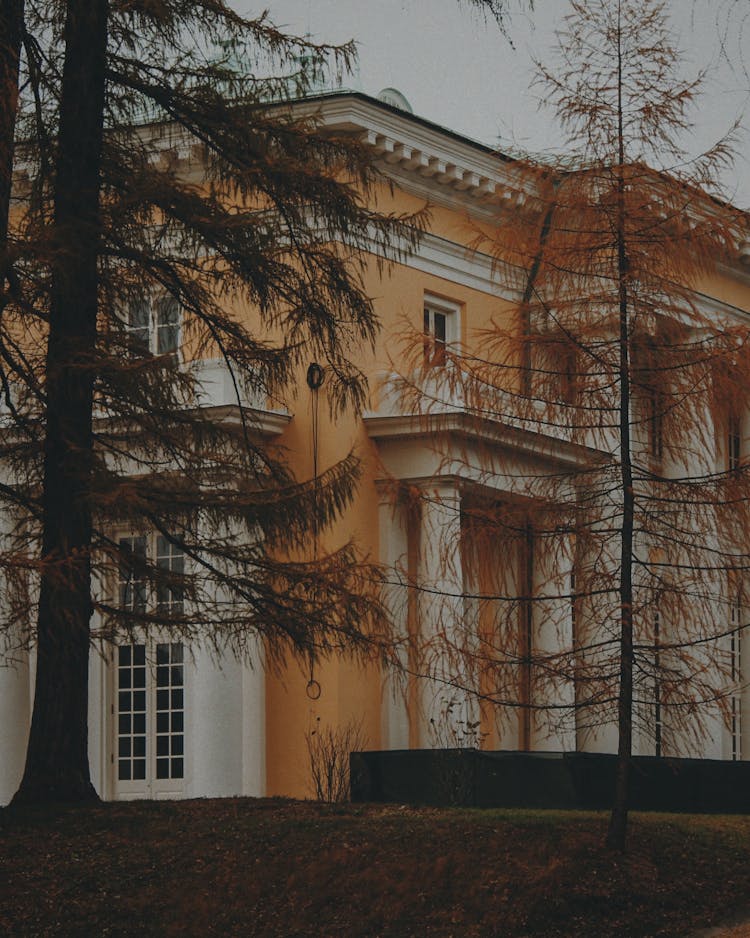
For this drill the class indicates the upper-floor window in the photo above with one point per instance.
(440, 330)
(154, 323)
(655, 422)
(734, 442)
(132, 585)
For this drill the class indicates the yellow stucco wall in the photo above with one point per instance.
(351, 692)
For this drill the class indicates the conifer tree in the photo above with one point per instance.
(162, 174)
(608, 564)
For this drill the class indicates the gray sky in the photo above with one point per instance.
(459, 71)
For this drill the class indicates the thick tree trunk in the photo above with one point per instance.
(11, 25)
(57, 767)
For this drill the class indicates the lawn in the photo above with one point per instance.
(277, 867)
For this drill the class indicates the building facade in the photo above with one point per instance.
(167, 720)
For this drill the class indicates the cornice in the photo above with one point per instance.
(711, 306)
(458, 264)
(418, 428)
(741, 270)
(427, 159)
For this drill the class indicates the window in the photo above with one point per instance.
(132, 586)
(655, 422)
(734, 442)
(150, 717)
(149, 680)
(154, 324)
(440, 330)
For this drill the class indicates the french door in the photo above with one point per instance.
(148, 756)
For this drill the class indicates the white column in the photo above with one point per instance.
(597, 565)
(100, 727)
(213, 717)
(15, 717)
(506, 583)
(225, 711)
(447, 707)
(254, 722)
(17, 666)
(394, 547)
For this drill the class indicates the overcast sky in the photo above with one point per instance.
(459, 71)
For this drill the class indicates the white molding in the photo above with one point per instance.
(457, 264)
(421, 428)
(740, 271)
(711, 306)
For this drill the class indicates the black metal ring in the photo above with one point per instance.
(313, 689)
(314, 376)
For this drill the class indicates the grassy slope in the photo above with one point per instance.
(297, 868)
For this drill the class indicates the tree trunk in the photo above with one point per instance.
(619, 818)
(11, 24)
(57, 767)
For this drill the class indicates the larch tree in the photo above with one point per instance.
(604, 517)
(11, 27)
(169, 206)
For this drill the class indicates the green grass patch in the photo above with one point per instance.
(275, 867)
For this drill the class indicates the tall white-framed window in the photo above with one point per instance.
(154, 323)
(149, 709)
(148, 680)
(132, 589)
(441, 329)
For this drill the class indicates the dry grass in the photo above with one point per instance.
(284, 868)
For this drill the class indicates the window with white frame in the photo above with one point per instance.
(149, 717)
(149, 678)
(154, 323)
(440, 330)
(132, 589)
